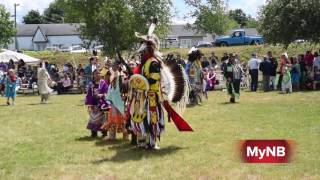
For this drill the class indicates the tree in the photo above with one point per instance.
(144, 9)
(54, 13)
(33, 17)
(7, 29)
(211, 16)
(113, 22)
(252, 22)
(288, 20)
(239, 16)
(68, 12)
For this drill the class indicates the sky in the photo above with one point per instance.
(180, 9)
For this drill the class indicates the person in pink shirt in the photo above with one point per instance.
(65, 84)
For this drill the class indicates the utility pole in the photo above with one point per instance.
(15, 25)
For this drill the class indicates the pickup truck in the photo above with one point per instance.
(238, 37)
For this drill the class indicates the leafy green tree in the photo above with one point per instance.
(7, 29)
(53, 14)
(211, 16)
(144, 9)
(239, 16)
(288, 20)
(33, 17)
(69, 12)
(113, 22)
(252, 22)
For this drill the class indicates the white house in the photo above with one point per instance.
(39, 36)
(181, 36)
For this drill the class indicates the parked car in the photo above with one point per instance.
(52, 48)
(203, 44)
(78, 49)
(238, 37)
(299, 41)
(66, 49)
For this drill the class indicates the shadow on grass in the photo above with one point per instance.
(127, 152)
(36, 104)
(102, 142)
(87, 138)
(228, 103)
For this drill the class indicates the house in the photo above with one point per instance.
(39, 36)
(182, 36)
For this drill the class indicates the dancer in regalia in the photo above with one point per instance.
(116, 117)
(43, 78)
(10, 86)
(195, 75)
(156, 84)
(97, 104)
(232, 72)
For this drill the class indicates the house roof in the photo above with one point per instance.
(48, 29)
(183, 30)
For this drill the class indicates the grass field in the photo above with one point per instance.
(51, 142)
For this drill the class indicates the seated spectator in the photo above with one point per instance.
(22, 69)
(65, 84)
(181, 61)
(2, 84)
(34, 77)
(18, 83)
(81, 79)
(29, 72)
(213, 60)
(79, 69)
(205, 63)
(48, 66)
(11, 65)
(3, 67)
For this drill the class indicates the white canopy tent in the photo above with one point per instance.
(6, 55)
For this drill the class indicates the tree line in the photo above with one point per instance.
(113, 22)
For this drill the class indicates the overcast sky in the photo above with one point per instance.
(249, 6)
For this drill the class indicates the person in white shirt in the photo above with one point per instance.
(253, 65)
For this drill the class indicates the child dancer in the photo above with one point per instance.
(116, 120)
(96, 102)
(10, 86)
(286, 80)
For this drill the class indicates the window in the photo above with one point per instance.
(185, 43)
(237, 34)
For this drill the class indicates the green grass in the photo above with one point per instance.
(51, 141)
(244, 51)
(60, 58)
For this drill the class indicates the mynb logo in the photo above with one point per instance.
(266, 151)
